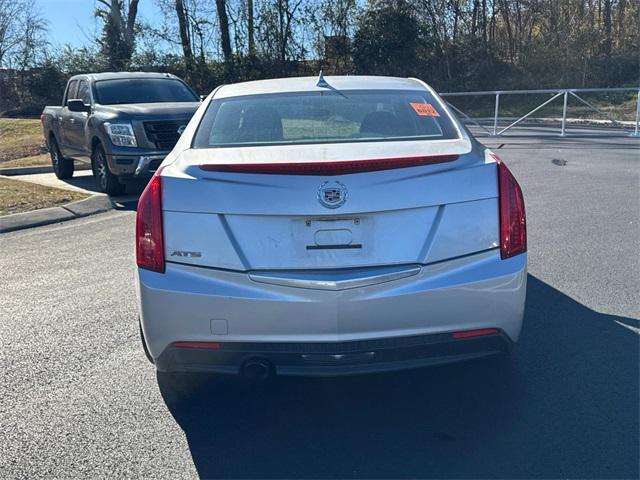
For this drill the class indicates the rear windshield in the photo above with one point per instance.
(323, 117)
(143, 90)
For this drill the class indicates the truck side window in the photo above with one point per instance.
(83, 92)
(71, 91)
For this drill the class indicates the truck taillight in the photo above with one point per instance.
(513, 224)
(149, 235)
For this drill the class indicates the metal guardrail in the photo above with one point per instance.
(556, 93)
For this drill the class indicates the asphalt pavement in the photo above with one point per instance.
(79, 399)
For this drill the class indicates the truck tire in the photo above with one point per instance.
(62, 167)
(106, 181)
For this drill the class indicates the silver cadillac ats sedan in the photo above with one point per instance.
(328, 226)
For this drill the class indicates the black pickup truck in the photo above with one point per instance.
(123, 124)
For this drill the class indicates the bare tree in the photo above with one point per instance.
(185, 36)
(22, 29)
(223, 21)
(10, 26)
(607, 26)
(250, 29)
(32, 45)
(118, 37)
(332, 23)
(277, 22)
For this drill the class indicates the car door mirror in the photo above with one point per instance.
(77, 105)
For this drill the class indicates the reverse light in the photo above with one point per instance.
(121, 134)
(328, 168)
(149, 235)
(513, 224)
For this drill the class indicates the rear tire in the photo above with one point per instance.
(62, 167)
(106, 181)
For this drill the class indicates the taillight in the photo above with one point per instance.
(206, 345)
(42, 118)
(513, 225)
(474, 333)
(329, 168)
(149, 238)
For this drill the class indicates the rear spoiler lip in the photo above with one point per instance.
(344, 167)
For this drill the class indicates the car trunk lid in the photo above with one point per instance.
(258, 221)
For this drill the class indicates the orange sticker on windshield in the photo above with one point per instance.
(425, 109)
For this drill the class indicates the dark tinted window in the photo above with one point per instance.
(83, 92)
(143, 90)
(324, 117)
(71, 91)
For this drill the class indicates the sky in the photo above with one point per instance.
(72, 21)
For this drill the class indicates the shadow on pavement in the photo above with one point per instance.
(127, 201)
(565, 405)
(84, 181)
(129, 205)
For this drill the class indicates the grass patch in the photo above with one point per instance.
(17, 196)
(33, 161)
(19, 138)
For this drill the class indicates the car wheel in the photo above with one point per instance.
(144, 344)
(106, 181)
(62, 167)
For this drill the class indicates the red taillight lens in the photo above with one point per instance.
(42, 118)
(513, 224)
(207, 345)
(149, 238)
(475, 333)
(329, 168)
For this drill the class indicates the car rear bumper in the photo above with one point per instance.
(135, 166)
(334, 358)
(397, 324)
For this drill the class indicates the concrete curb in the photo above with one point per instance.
(45, 216)
(29, 170)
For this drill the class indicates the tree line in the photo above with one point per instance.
(452, 44)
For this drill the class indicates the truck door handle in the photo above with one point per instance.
(72, 120)
(60, 119)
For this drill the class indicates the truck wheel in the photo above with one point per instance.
(62, 167)
(106, 181)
